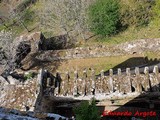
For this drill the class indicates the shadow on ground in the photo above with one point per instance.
(131, 63)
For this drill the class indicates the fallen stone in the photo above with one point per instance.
(12, 80)
(3, 81)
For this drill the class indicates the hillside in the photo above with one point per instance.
(55, 54)
(33, 15)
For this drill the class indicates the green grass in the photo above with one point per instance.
(103, 63)
(31, 20)
(152, 55)
(130, 34)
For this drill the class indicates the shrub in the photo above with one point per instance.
(87, 111)
(28, 16)
(104, 17)
(156, 9)
(29, 75)
(136, 12)
(24, 4)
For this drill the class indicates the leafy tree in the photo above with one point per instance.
(104, 17)
(87, 111)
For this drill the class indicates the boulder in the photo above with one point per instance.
(12, 80)
(3, 81)
(31, 44)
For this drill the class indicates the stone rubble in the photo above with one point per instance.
(17, 94)
(12, 114)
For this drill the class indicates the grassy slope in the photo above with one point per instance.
(132, 33)
(28, 16)
(151, 31)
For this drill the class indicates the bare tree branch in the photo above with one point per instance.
(70, 16)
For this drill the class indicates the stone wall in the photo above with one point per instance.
(134, 47)
(86, 83)
(139, 46)
(79, 52)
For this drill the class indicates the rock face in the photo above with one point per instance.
(27, 46)
(34, 40)
(56, 43)
(2, 56)
(38, 42)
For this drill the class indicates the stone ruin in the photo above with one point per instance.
(27, 47)
(90, 84)
(38, 42)
(38, 48)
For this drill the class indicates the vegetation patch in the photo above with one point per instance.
(104, 17)
(29, 75)
(87, 111)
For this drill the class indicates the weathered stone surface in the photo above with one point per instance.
(12, 80)
(35, 40)
(18, 96)
(3, 81)
(121, 83)
(31, 44)
(139, 46)
(133, 47)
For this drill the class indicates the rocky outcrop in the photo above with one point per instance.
(12, 81)
(27, 46)
(34, 40)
